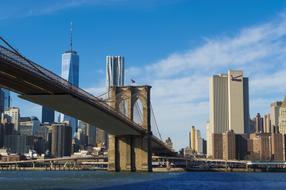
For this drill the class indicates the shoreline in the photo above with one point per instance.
(155, 170)
(223, 170)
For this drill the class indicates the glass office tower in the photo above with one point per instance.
(70, 72)
(48, 115)
(4, 99)
(114, 71)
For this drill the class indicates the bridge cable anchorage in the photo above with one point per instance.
(23, 57)
(155, 121)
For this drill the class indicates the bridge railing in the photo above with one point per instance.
(49, 75)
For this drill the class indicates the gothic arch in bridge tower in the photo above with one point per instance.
(138, 112)
(123, 107)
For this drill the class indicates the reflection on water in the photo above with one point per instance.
(139, 181)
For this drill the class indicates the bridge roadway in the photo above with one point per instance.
(54, 160)
(41, 86)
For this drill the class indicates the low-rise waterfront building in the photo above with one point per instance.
(217, 146)
(229, 146)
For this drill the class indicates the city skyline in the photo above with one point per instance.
(260, 39)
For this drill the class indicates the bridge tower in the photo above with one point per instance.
(129, 152)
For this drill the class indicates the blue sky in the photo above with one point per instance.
(173, 45)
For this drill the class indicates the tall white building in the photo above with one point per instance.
(236, 102)
(274, 115)
(198, 142)
(114, 71)
(218, 90)
(192, 143)
(282, 118)
(229, 104)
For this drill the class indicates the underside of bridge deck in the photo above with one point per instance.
(83, 111)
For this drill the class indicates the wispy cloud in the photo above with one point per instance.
(31, 8)
(36, 8)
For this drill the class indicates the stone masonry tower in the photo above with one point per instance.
(129, 152)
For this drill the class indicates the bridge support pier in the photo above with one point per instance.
(130, 153)
(143, 153)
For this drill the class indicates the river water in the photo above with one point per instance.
(86, 180)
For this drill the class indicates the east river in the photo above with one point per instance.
(88, 180)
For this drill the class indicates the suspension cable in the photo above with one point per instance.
(156, 125)
(20, 55)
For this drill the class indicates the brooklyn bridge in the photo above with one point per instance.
(131, 143)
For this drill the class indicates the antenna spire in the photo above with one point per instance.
(71, 36)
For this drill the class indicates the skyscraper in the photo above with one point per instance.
(114, 71)
(274, 116)
(267, 124)
(192, 138)
(61, 140)
(4, 99)
(219, 120)
(91, 133)
(70, 67)
(48, 115)
(195, 140)
(229, 103)
(70, 72)
(198, 141)
(259, 124)
(229, 99)
(282, 118)
(236, 101)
